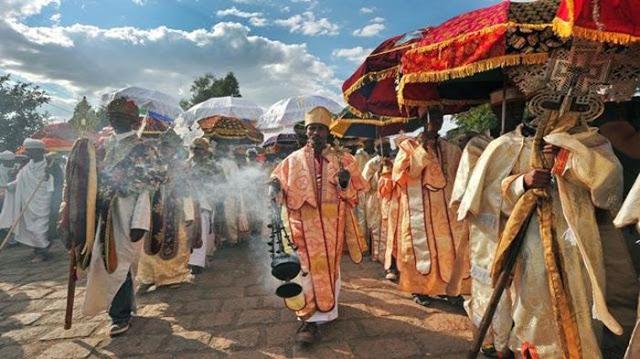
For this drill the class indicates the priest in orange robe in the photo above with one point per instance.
(433, 247)
(319, 187)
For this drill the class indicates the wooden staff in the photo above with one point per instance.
(22, 212)
(71, 286)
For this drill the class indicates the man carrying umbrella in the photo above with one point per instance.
(319, 187)
(433, 258)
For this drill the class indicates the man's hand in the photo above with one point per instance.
(136, 234)
(537, 178)
(343, 178)
(274, 188)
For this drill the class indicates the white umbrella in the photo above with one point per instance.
(157, 104)
(284, 114)
(237, 107)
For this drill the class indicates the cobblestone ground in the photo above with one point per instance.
(229, 310)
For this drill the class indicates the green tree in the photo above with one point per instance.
(19, 115)
(478, 119)
(103, 120)
(208, 86)
(84, 117)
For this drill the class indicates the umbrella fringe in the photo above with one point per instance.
(368, 78)
(465, 71)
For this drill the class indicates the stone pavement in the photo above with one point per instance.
(230, 310)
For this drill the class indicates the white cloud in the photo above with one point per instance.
(255, 18)
(55, 18)
(24, 8)
(140, 2)
(377, 19)
(233, 11)
(356, 54)
(369, 30)
(89, 60)
(307, 24)
(367, 10)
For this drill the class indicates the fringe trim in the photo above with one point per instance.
(483, 31)
(466, 71)
(340, 127)
(368, 78)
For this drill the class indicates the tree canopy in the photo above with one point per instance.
(19, 115)
(208, 86)
(478, 119)
(84, 117)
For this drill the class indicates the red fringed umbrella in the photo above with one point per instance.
(59, 137)
(470, 45)
(615, 21)
(372, 88)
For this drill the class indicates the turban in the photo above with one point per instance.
(7, 156)
(33, 144)
(318, 115)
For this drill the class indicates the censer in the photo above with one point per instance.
(285, 266)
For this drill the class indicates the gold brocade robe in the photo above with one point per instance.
(152, 269)
(591, 178)
(321, 220)
(433, 256)
(482, 245)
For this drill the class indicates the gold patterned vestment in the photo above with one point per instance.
(433, 252)
(591, 178)
(321, 220)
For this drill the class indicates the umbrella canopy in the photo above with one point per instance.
(460, 53)
(236, 107)
(372, 87)
(230, 130)
(281, 139)
(59, 137)
(616, 21)
(348, 124)
(284, 114)
(156, 104)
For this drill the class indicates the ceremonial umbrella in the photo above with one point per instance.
(349, 124)
(614, 21)
(230, 130)
(152, 103)
(236, 107)
(59, 137)
(464, 55)
(284, 114)
(372, 87)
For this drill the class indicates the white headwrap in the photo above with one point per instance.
(33, 144)
(7, 156)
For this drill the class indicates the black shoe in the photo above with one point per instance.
(307, 334)
(196, 270)
(423, 300)
(118, 329)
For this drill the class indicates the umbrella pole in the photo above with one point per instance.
(503, 121)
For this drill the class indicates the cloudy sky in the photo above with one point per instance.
(276, 48)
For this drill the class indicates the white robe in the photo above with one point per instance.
(131, 212)
(33, 226)
(4, 176)
(199, 255)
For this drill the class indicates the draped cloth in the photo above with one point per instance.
(321, 221)
(372, 211)
(33, 227)
(389, 214)
(559, 281)
(160, 269)
(482, 244)
(235, 211)
(433, 256)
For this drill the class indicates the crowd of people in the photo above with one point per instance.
(441, 219)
